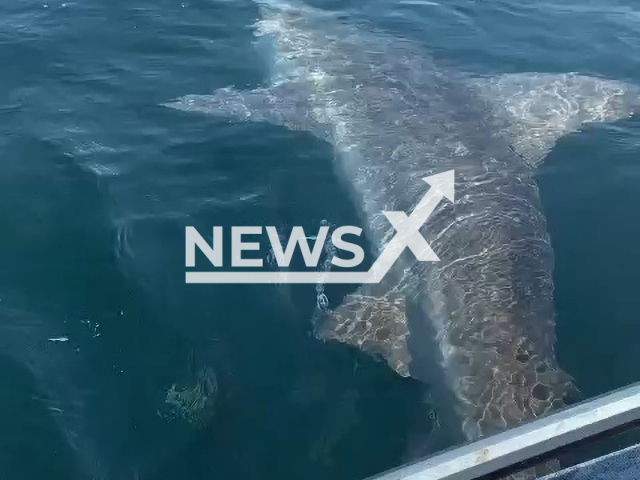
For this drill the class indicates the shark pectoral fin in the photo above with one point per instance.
(284, 105)
(538, 109)
(375, 324)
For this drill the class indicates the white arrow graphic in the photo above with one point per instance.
(407, 235)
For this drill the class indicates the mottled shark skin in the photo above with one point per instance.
(395, 116)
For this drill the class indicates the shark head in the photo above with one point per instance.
(509, 387)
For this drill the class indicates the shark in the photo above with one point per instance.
(484, 313)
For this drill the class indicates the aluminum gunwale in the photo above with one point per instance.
(527, 441)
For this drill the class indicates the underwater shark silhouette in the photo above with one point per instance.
(395, 116)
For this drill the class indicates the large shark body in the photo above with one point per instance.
(394, 116)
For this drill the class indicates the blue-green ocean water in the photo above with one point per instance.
(97, 182)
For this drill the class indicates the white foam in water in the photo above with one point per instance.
(419, 2)
(103, 170)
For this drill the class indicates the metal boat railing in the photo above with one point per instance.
(540, 436)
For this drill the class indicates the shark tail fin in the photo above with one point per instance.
(375, 324)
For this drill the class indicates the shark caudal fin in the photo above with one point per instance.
(375, 324)
(537, 108)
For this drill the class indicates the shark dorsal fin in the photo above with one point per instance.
(538, 109)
